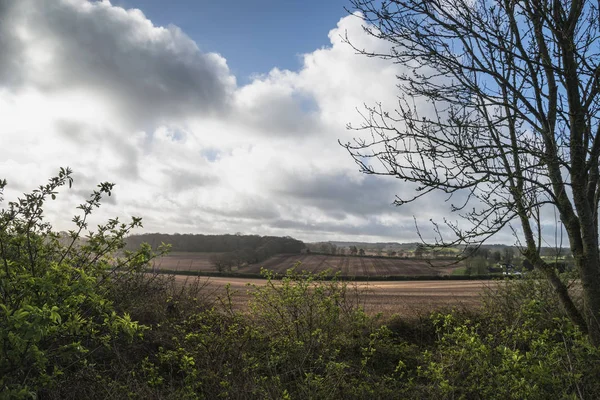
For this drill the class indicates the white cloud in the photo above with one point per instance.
(103, 90)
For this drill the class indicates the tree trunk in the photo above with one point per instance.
(589, 272)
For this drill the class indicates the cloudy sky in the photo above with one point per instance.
(209, 119)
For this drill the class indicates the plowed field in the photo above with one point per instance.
(184, 261)
(354, 266)
(347, 266)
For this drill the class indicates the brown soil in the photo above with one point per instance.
(404, 298)
(349, 266)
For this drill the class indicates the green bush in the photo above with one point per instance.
(304, 337)
(520, 346)
(311, 329)
(55, 314)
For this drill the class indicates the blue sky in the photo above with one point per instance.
(254, 36)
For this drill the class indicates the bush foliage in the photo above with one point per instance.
(82, 318)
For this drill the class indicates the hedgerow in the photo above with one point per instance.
(80, 317)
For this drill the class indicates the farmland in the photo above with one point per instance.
(371, 267)
(375, 296)
(388, 298)
(355, 266)
(186, 261)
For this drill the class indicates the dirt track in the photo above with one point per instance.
(402, 297)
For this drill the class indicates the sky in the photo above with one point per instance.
(253, 36)
(209, 118)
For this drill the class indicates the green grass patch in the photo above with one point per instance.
(460, 271)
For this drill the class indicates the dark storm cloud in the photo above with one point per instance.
(339, 193)
(370, 200)
(150, 73)
(401, 231)
(10, 48)
(246, 214)
(245, 208)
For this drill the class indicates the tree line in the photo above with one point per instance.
(232, 250)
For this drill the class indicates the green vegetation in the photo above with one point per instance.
(56, 309)
(84, 320)
(460, 271)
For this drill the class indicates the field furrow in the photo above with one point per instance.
(315, 263)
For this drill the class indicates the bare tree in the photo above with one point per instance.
(223, 262)
(515, 88)
(419, 250)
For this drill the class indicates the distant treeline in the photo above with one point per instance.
(350, 278)
(235, 249)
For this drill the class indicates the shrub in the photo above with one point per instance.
(303, 337)
(520, 346)
(55, 314)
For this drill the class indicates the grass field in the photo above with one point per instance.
(315, 263)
